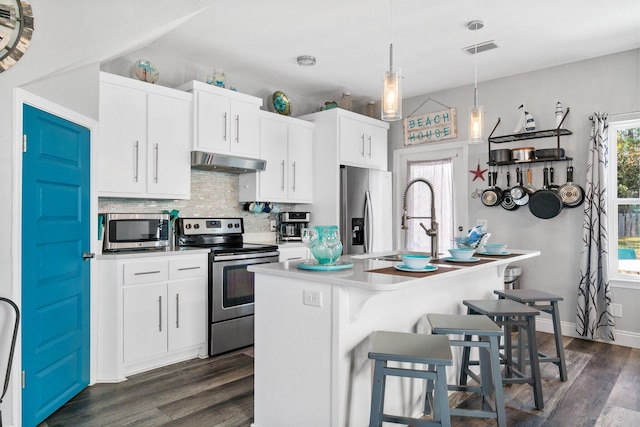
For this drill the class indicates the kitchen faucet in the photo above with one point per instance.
(431, 232)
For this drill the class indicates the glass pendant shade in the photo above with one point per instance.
(476, 124)
(392, 96)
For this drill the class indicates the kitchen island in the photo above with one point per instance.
(312, 332)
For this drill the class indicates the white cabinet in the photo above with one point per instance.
(362, 143)
(342, 138)
(224, 121)
(145, 138)
(155, 313)
(287, 146)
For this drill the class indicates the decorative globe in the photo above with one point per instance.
(329, 247)
(144, 70)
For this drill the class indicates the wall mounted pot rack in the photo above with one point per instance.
(557, 132)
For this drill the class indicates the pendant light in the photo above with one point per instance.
(476, 112)
(391, 90)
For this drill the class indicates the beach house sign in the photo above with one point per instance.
(430, 127)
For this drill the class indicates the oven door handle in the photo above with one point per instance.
(248, 256)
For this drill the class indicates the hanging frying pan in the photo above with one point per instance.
(491, 196)
(552, 185)
(545, 203)
(572, 195)
(507, 201)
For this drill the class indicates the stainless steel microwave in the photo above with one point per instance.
(125, 231)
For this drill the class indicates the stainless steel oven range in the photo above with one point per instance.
(231, 286)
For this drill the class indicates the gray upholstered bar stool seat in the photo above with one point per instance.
(548, 303)
(433, 351)
(508, 313)
(490, 379)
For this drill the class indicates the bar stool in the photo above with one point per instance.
(430, 350)
(508, 313)
(533, 298)
(490, 379)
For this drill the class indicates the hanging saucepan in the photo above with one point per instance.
(518, 193)
(572, 195)
(491, 196)
(507, 201)
(545, 203)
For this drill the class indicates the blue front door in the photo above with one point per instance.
(55, 277)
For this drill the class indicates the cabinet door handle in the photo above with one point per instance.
(369, 146)
(282, 176)
(189, 268)
(237, 129)
(293, 167)
(362, 152)
(157, 151)
(224, 126)
(160, 313)
(177, 311)
(135, 161)
(140, 273)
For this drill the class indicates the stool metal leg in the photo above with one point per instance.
(377, 394)
(497, 381)
(562, 365)
(534, 362)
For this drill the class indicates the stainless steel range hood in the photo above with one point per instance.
(224, 163)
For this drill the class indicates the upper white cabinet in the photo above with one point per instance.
(287, 146)
(224, 121)
(359, 140)
(145, 138)
(363, 143)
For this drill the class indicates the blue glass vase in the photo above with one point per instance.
(329, 247)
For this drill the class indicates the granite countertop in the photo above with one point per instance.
(373, 273)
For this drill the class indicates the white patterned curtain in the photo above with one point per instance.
(593, 317)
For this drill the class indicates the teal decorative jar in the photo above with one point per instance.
(329, 247)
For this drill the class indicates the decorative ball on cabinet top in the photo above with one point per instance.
(281, 103)
(144, 70)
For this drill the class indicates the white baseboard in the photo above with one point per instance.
(623, 338)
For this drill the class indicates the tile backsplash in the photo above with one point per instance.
(213, 194)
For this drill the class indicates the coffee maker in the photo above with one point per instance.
(289, 225)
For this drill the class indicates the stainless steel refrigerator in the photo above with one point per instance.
(365, 210)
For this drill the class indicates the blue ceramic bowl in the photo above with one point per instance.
(416, 261)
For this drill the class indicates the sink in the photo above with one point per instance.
(396, 257)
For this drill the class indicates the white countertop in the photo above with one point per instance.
(361, 276)
(141, 253)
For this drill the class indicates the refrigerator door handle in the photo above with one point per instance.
(368, 223)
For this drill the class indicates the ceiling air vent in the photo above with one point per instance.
(482, 47)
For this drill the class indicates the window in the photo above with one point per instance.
(445, 167)
(624, 200)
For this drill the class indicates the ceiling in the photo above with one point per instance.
(350, 39)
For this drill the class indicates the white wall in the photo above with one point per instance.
(610, 84)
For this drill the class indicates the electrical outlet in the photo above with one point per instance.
(616, 310)
(273, 225)
(312, 298)
(482, 222)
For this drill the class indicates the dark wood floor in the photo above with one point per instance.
(603, 390)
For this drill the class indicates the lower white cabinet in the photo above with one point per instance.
(293, 253)
(160, 315)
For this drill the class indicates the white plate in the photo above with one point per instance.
(428, 268)
(472, 259)
(487, 253)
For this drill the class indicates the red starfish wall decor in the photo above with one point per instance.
(478, 173)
